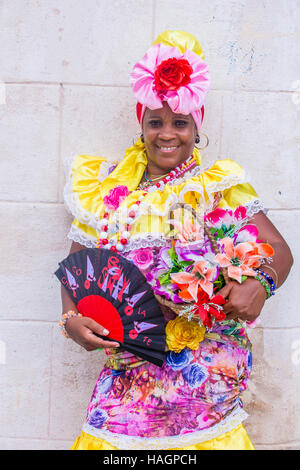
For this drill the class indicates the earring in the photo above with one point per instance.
(197, 141)
(142, 138)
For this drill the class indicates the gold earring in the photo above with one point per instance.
(207, 142)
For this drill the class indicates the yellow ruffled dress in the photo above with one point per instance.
(237, 439)
(88, 182)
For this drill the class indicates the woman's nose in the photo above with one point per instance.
(166, 132)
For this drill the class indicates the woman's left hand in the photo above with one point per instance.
(243, 301)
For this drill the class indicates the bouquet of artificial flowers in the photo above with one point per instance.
(208, 252)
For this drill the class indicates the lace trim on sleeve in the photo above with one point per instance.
(255, 206)
(210, 189)
(79, 236)
(145, 240)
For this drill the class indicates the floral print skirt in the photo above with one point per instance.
(194, 397)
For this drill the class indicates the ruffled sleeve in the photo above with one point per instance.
(83, 196)
(241, 194)
(222, 175)
(83, 234)
(82, 193)
(228, 177)
(233, 186)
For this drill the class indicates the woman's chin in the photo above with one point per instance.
(167, 161)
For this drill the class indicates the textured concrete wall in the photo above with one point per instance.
(65, 89)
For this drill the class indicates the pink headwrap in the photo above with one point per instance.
(165, 74)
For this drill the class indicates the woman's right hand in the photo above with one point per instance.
(82, 329)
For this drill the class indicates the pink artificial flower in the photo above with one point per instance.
(142, 258)
(191, 74)
(226, 218)
(189, 232)
(240, 259)
(249, 233)
(115, 197)
(220, 217)
(202, 275)
(217, 217)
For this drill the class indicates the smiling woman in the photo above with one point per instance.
(168, 139)
(194, 400)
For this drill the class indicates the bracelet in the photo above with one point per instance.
(64, 318)
(269, 279)
(265, 284)
(272, 269)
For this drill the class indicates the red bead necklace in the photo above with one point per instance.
(113, 243)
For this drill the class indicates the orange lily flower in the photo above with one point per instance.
(202, 276)
(242, 258)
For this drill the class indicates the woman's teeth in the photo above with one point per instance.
(167, 149)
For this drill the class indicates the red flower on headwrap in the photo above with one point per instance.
(172, 73)
(182, 80)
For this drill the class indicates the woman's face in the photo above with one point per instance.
(169, 138)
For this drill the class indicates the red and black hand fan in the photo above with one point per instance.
(112, 291)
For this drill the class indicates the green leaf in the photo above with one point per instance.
(184, 264)
(164, 278)
(219, 283)
(213, 232)
(172, 254)
(175, 269)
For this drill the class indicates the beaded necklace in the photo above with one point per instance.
(148, 181)
(113, 243)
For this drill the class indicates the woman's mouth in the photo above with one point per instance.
(165, 149)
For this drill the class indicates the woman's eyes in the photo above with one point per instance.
(154, 123)
(177, 123)
(180, 123)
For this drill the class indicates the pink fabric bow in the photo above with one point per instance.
(188, 98)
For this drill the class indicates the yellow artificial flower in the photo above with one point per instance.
(182, 333)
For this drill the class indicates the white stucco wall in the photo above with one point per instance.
(64, 73)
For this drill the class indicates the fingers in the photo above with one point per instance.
(225, 291)
(229, 311)
(243, 301)
(227, 307)
(232, 316)
(95, 327)
(92, 341)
